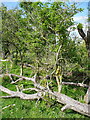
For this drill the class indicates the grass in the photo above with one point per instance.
(41, 108)
(34, 109)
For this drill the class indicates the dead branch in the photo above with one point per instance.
(20, 79)
(34, 79)
(30, 89)
(69, 103)
(8, 106)
(20, 94)
(65, 107)
(76, 84)
(19, 76)
(4, 60)
(28, 65)
(72, 104)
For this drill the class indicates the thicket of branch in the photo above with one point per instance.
(42, 91)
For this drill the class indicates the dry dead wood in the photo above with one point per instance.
(76, 84)
(72, 104)
(33, 80)
(28, 65)
(69, 103)
(19, 94)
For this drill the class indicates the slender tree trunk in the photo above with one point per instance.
(16, 57)
(21, 67)
(88, 47)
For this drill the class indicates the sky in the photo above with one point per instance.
(46, 0)
(78, 18)
(82, 18)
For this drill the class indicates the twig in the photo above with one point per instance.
(8, 106)
(77, 84)
(26, 78)
(30, 89)
(20, 79)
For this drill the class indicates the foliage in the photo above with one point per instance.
(33, 34)
(37, 30)
(80, 26)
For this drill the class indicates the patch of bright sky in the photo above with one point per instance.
(11, 5)
(47, 0)
(82, 15)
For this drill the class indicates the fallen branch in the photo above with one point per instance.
(4, 60)
(33, 80)
(8, 106)
(28, 65)
(19, 76)
(69, 102)
(41, 91)
(72, 104)
(30, 89)
(20, 94)
(76, 84)
(20, 79)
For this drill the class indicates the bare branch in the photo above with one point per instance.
(65, 107)
(7, 97)
(30, 89)
(28, 65)
(73, 104)
(4, 60)
(77, 84)
(20, 79)
(20, 94)
(8, 106)
(26, 78)
(41, 91)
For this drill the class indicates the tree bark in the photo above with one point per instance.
(73, 104)
(87, 42)
(19, 94)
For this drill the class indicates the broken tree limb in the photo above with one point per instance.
(70, 83)
(65, 107)
(72, 104)
(7, 96)
(8, 106)
(76, 84)
(69, 103)
(20, 94)
(23, 77)
(26, 78)
(61, 98)
(34, 79)
(30, 89)
(28, 65)
(20, 79)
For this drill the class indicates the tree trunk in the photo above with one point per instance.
(87, 42)
(88, 47)
(21, 69)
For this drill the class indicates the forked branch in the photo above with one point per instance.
(41, 91)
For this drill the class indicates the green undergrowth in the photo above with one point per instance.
(37, 108)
